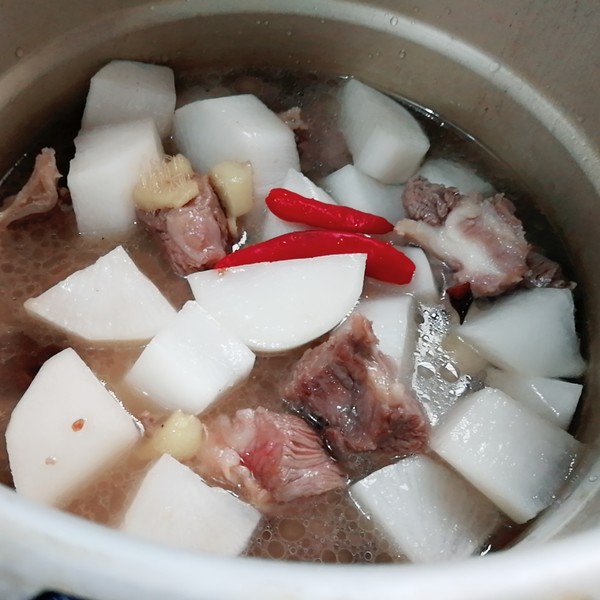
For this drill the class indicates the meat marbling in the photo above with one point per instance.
(350, 389)
(267, 457)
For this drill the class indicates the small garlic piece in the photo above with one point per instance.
(181, 436)
(168, 184)
(232, 181)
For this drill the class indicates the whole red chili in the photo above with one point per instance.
(384, 261)
(293, 207)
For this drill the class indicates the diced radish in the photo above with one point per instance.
(385, 140)
(126, 90)
(423, 285)
(531, 332)
(552, 398)
(299, 183)
(281, 305)
(393, 315)
(351, 187)
(238, 128)
(516, 458)
(465, 357)
(174, 506)
(65, 430)
(190, 362)
(111, 300)
(453, 174)
(108, 163)
(429, 512)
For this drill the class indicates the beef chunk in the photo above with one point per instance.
(481, 240)
(39, 195)
(195, 235)
(428, 202)
(267, 457)
(544, 272)
(348, 387)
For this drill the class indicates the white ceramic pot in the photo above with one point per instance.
(523, 76)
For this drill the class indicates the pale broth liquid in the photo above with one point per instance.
(41, 251)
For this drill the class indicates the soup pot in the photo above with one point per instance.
(521, 76)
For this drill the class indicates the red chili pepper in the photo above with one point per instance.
(293, 207)
(384, 262)
(460, 297)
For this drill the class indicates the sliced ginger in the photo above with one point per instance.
(233, 183)
(168, 184)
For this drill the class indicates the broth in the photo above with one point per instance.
(39, 252)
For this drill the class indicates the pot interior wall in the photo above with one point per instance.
(46, 76)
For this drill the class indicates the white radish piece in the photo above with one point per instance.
(296, 182)
(551, 398)
(351, 187)
(111, 300)
(239, 128)
(467, 360)
(277, 306)
(385, 140)
(127, 90)
(173, 506)
(453, 174)
(108, 164)
(515, 457)
(190, 362)
(65, 430)
(531, 332)
(423, 285)
(393, 317)
(429, 512)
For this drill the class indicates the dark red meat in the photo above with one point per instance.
(195, 235)
(428, 202)
(268, 457)
(544, 272)
(349, 388)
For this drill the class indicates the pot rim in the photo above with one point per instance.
(555, 568)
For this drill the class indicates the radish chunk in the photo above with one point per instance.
(429, 512)
(530, 332)
(350, 187)
(518, 459)
(108, 164)
(385, 140)
(294, 182)
(281, 305)
(126, 90)
(111, 300)
(174, 506)
(551, 398)
(393, 318)
(423, 285)
(452, 174)
(65, 430)
(190, 362)
(237, 128)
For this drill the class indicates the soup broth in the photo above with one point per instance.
(41, 251)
